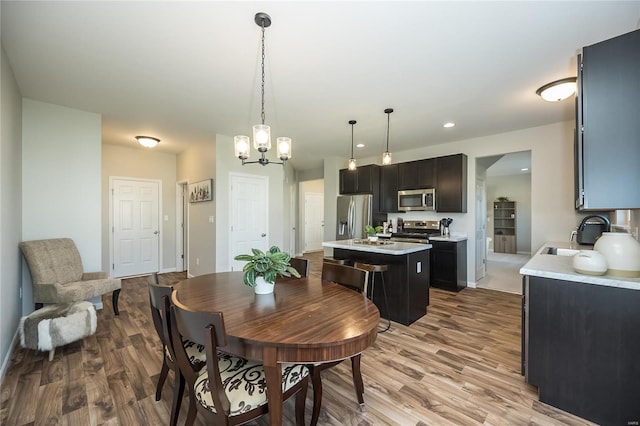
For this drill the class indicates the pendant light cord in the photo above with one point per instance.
(352, 139)
(388, 121)
(262, 88)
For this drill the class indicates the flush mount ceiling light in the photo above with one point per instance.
(352, 160)
(147, 141)
(262, 132)
(448, 125)
(386, 157)
(558, 90)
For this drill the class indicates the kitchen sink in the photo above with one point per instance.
(560, 251)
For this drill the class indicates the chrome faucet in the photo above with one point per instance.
(573, 234)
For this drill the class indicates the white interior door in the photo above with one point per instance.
(135, 227)
(313, 221)
(249, 216)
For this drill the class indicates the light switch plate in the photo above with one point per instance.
(211, 219)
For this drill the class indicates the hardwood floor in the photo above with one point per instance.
(458, 365)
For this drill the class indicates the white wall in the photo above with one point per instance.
(315, 186)
(195, 164)
(61, 181)
(10, 210)
(123, 162)
(552, 212)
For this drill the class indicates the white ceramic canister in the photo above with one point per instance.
(622, 253)
(590, 262)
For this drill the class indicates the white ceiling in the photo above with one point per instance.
(186, 71)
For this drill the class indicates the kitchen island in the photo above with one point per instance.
(406, 281)
(581, 338)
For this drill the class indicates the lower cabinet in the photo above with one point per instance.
(449, 265)
(504, 243)
(580, 347)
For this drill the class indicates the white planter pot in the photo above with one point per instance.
(263, 287)
(373, 239)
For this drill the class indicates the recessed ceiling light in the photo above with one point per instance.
(449, 124)
(360, 145)
(524, 169)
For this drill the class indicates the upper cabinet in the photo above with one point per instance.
(389, 188)
(418, 174)
(451, 183)
(608, 125)
(363, 180)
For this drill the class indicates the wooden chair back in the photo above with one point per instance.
(345, 275)
(301, 265)
(204, 328)
(159, 313)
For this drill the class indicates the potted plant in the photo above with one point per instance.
(261, 268)
(372, 232)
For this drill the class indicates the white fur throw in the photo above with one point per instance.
(57, 325)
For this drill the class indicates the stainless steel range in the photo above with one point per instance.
(417, 231)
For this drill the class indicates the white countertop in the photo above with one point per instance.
(561, 268)
(395, 248)
(450, 238)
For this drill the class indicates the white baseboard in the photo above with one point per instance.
(471, 284)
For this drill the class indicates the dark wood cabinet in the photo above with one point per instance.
(418, 174)
(608, 129)
(451, 183)
(389, 188)
(580, 348)
(363, 180)
(449, 265)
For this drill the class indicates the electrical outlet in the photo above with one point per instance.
(418, 267)
(20, 293)
(197, 261)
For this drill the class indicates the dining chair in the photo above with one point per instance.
(355, 279)
(301, 265)
(230, 390)
(159, 313)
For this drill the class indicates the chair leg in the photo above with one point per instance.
(386, 304)
(357, 380)
(301, 398)
(317, 394)
(114, 299)
(178, 391)
(39, 306)
(191, 414)
(163, 376)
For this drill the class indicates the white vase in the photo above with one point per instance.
(622, 253)
(263, 287)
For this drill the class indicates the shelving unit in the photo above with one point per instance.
(504, 227)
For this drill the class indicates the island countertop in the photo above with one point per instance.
(395, 248)
(561, 268)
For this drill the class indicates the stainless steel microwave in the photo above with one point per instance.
(417, 200)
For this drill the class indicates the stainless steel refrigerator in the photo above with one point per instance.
(354, 212)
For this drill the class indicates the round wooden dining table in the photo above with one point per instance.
(305, 320)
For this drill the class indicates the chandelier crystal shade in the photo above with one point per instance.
(386, 157)
(352, 160)
(261, 132)
(558, 90)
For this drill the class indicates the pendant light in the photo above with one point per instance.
(262, 132)
(386, 157)
(352, 160)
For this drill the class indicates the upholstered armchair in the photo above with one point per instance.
(58, 277)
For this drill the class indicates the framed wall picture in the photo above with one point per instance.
(201, 191)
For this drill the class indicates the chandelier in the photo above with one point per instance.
(262, 132)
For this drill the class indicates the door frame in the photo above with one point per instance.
(182, 227)
(111, 224)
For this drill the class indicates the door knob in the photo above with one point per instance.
(263, 235)
(157, 232)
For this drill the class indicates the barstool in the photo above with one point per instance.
(373, 269)
(347, 262)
